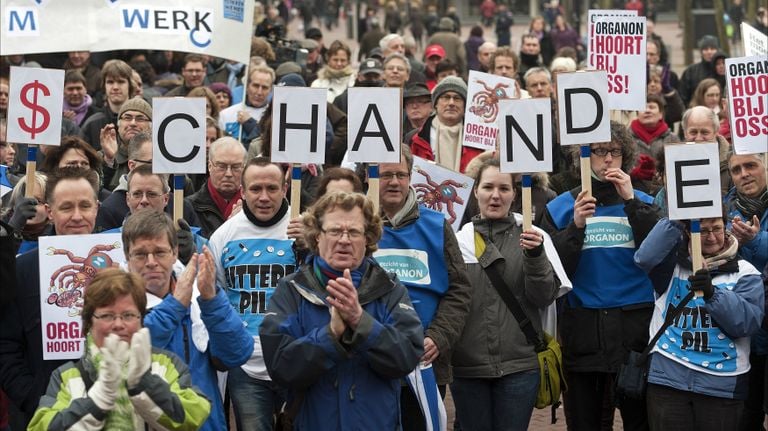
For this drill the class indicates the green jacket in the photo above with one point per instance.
(163, 399)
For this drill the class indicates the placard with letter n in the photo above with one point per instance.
(525, 133)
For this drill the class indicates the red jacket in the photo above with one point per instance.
(421, 147)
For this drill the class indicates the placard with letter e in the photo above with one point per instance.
(747, 79)
(374, 124)
(583, 107)
(36, 100)
(693, 180)
(298, 124)
(178, 135)
(67, 266)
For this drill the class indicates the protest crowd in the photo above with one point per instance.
(264, 293)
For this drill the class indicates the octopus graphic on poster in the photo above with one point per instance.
(485, 97)
(67, 265)
(485, 103)
(441, 189)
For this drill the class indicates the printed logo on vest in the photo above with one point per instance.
(606, 232)
(411, 266)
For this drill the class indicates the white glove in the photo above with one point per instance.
(139, 358)
(105, 390)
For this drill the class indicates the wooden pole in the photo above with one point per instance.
(527, 205)
(373, 185)
(295, 190)
(696, 258)
(586, 169)
(178, 198)
(31, 168)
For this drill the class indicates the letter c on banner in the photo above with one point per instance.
(161, 138)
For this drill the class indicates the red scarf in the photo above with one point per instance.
(646, 135)
(222, 204)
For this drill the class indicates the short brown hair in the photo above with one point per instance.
(73, 174)
(118, 69)
(313, 218)
(106, 287)
(209, 97)
(504, 51)
(54, 154)
(148, 223)
(338, 174)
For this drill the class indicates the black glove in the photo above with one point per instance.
(186, 241)
(25, 209)
(702, 281)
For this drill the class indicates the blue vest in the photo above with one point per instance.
(252, 268)
(415, 253)
(606, 276)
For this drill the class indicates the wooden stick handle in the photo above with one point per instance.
(586, 169)
(31, 168)
(696, 258)
(295, 190)
(527, 205)
(373, 185)
(178, 198)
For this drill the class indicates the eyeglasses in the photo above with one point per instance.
(127, 317)
(130, 118)
(389, 176)
(602, 152)
(716, 231)
(150, 195)
(142, 256)
(337, 233)
(222, 167)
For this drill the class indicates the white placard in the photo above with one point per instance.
(68, 263)
(755, 41)
(617, 45)
(693, 180)
(298, 124)
(178, 135)
(582, 107)
(595, 14)
(35, 104)
(220, 28)
(484, 92)
(525, 135)
(441, 189)
(374, 124)
(747, 79)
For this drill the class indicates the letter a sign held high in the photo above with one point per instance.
(374, 120)
(583, 107)
(693, 181)
(178, 135)
(298, 124)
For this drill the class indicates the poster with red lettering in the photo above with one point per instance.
(484, 91)
(617, 46)
(747, 79)
(67, 265)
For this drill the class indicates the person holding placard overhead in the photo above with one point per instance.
(496, 371)
(608, 312)
(698, 366)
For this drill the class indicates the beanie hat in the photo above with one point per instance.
(286, 68)
(709, 41)
(451, 83)
(219, 87)
(291, 80)
(136, 104)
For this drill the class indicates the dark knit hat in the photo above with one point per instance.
(136, 104)
(291, 80)
(219, 87)
(451, 83)
(709, 41)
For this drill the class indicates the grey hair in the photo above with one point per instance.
(384, 41)
(395, 55)
(535, 70)
(710, 113)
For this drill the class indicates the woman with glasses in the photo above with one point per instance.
(341, 332)
(697, 377)
(121, 382)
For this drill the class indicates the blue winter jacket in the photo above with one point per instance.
(170, 326)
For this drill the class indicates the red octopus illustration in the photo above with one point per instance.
(485, 104)
(434, 195)
(68, 282)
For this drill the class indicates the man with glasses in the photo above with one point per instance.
(193, 71)
(253, 250)
(221, 195)
(417, 237)
(609, 310)
(397, 70)
(72, 201)
(135, 117)
(120, 204)
(441, 137)
(187, 314)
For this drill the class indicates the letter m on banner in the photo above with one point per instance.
(20, 21)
